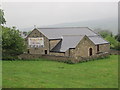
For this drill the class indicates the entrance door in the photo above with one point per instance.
(90, 52)
(45, 51)
(28, 51)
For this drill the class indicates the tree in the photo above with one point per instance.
(12, 43)
(114, 40)
(114, 43)
(2, 19)
(29, 32)
(105, 33)
(117, 37)
(25, 33)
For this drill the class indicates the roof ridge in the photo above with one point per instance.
(59, 27)
(93, 31)
(73, 35)
(93, 36)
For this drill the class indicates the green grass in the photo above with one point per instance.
(0, 74)
(50, 74)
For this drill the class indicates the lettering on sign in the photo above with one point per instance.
(36, 42)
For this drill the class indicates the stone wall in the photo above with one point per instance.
(41, 50)
(49, 57)
(29, 56)
(104, 47)
(53, 43)
(82, 49)
(97, 56)
(65, 59)
(67, 53)
(62, 58)
(114, 52)
(57, 53)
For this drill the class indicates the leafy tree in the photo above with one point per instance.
(111, 34)
(12, 43)
(114, 43)
(29, 32)
(117, 37)
(2, 19)
(25, 33)
(105, 33)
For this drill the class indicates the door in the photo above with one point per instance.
(90, 52)
(28, 51)
(97, 48)
(45, 51)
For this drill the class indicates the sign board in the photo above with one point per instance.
(36, 42)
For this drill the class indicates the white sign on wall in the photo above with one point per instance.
(36, 42)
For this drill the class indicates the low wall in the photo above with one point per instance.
(61, 58)
(29, 56)
(65, 59)
(57, 53)
(114, 52)
(50, 57)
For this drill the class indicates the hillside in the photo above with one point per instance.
(108, 24)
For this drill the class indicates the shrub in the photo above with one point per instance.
(12, 43)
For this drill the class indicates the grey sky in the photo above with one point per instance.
(26, 14)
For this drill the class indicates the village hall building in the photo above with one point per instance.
(66, 41)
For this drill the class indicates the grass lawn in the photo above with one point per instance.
(50, 74)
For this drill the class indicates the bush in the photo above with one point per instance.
(114, 44)
(9, 57)
(12, 43)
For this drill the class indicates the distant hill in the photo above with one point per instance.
(107, 24)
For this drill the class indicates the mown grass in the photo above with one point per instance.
(0, 74)
(50, 74)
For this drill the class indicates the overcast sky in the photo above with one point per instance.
(28, 14)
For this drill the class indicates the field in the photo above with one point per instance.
(50, 74)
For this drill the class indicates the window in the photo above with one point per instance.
(97, 48)
(90, 52)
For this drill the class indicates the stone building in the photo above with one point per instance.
(66, 41)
